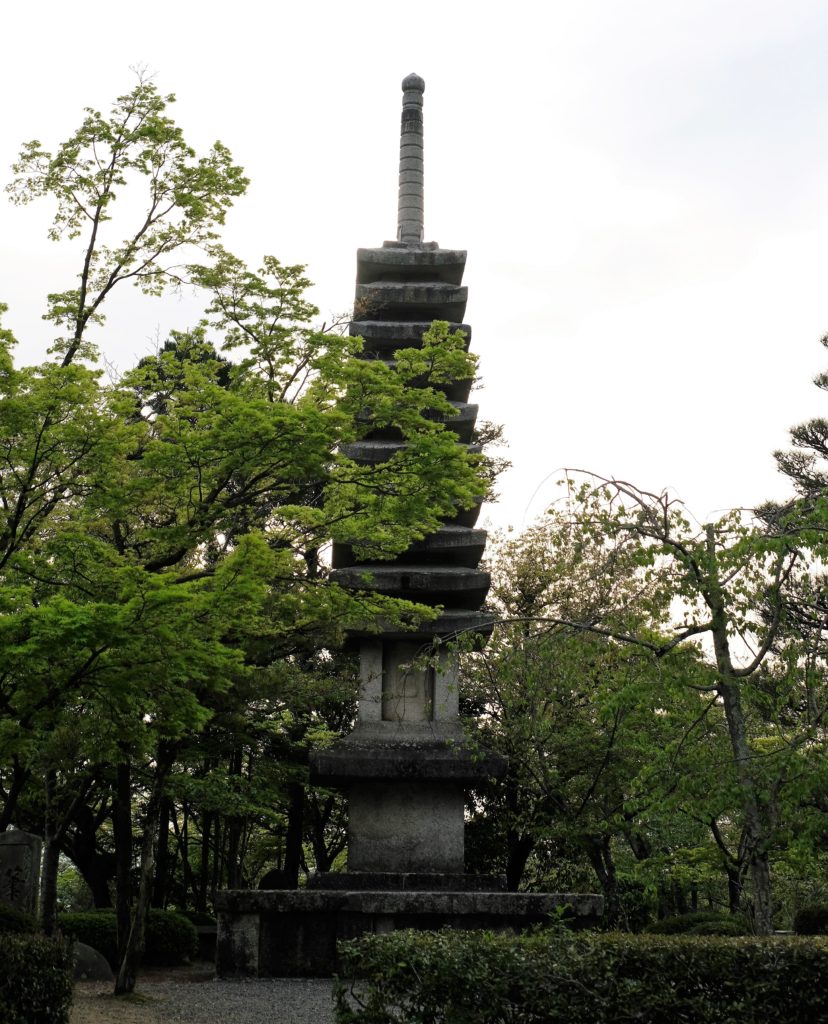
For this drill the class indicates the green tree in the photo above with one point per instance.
(580, 716)
(161, 535)
(728, 581)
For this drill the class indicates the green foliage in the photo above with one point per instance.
(186, 197)
(35, 980)
(198, 918)
(13, 920)
(700, 922)
(811, 920)
(162, 582)
(454, 977)
(72, 891)
(97, 929)
(171, 938)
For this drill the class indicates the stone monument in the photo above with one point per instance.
(406, 765)
(20, 870)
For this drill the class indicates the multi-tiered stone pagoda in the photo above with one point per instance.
(406, 766)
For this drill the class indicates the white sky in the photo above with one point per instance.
(642, 188)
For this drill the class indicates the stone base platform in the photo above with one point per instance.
(278, 933)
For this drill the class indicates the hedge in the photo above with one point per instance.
(455, 977)
(811, 920)
(17, 921)
(171, 938)
(701, 922)
(35, 980)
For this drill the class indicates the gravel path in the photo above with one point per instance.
(258, 1001)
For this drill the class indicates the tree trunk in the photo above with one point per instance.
(98, 869)
(162, 864)
(189, 892)
(734, 889)
(131, 961)
(293, 838)
(20, 776)
(234, 826)
(729, 689)
(233, 830)
(600, 857)
(219, 841)
(755, 833)
(122, 832)
(51, 858)
(204, 871)
(519, 846)
(325, 848)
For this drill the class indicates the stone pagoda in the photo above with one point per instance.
(406, 766)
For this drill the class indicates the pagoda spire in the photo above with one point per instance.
(410, 206)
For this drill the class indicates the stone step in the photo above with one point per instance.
(450, 586)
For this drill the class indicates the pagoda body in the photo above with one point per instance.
(406, 766)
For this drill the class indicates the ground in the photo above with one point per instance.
(94, 1003)
(191, 995)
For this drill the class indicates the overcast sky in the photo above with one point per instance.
(642, 189)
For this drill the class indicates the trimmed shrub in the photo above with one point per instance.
(14, 921)
(97, 928)
(35, 980)
(811, 920)
(171, 938)
(700, 922)
(198, 918)
(454, 977)
(725, 925)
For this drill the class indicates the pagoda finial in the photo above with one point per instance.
(410, 208)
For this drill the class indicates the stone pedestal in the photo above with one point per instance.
(294, 934)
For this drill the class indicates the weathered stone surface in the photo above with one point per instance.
(90, 965)
(295, 933)
(450, 586)
(259, 901)
(451, 545)
(422, 881)
(410, 204)
(383, 718)
(238, 938)
(397, 825)
(424, 300)
(386, 336)
(20, 869)
(368, 757)
(463, 421)
(396, 263)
